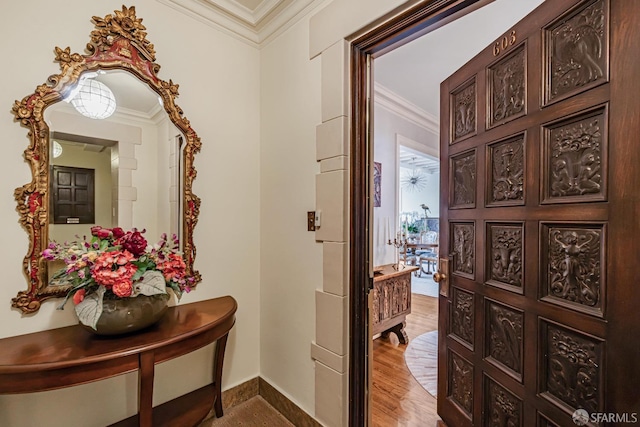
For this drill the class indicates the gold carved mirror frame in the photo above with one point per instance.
(118, 42)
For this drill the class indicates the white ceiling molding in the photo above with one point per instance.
(122, 114)
(393, 102)
(254, 27)
(250, 16)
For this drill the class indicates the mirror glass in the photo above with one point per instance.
(133, 157)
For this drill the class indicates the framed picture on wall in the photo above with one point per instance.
(377, 184)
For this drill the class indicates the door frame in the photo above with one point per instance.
(397, 31)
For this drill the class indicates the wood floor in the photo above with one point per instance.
(398, 399)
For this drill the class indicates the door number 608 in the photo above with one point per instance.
(504, 43)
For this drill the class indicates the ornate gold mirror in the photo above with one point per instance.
(149, 149)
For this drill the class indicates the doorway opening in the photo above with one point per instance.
(404, 122)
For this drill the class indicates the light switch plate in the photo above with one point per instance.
(311, 221)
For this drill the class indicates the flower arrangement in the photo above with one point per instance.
(114, 264)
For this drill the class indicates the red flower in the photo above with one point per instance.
(134, 242)
(99, 232)
(79, 296)
(123, 289)
(172, 266)
(117, 232)
(111, 268)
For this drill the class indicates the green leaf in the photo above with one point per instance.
(152, 283)
(72, 291)
(90, 308)
(60, 273)
(176, 289)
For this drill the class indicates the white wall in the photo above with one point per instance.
(291, 259)
(429, 195)
(219, 92)
(387, 127)
(384, 217)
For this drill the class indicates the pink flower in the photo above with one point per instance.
(78, 297)
(48, 254)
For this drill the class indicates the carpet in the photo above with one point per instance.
(421, 357)
(424, 285)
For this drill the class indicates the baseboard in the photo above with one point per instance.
(259, 387)
(286, 407)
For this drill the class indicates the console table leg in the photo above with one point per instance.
(217, 373)
(145, 389)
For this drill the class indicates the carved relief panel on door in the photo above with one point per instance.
(573, 270)
(504, 341)
(571, 371)
(506, 172)
(463, 171)
(507, 88)
(575, 158)
(505, 255)
(462, 317)
(463, 249)
(460, 383)
(463, 111)
(502, 408)
(576, 49)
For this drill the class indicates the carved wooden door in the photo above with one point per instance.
(540, 141)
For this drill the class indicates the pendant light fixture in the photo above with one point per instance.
(57, 149)
(94, 99)
(415, 180)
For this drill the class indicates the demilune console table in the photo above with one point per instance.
(69, 356)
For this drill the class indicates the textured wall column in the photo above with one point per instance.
(330, 349)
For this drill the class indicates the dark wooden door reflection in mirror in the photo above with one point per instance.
(72, 195)
(150, 144)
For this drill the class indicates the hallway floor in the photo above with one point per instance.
(255, 412)
(398, 399)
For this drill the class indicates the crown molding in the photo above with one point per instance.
(255, 28)
(398, 105)
(251, 17)
(217, 19)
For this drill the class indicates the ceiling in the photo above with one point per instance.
(412, 159)
(252, 21)
(132, 96)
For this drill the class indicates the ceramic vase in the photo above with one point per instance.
(126, 315)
